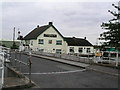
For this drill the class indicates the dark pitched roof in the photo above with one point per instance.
(77, 41)
(39, 30)
(36, 32)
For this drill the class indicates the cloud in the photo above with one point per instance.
(70, 18)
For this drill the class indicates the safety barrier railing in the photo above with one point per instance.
(1, 69)
(19, 64)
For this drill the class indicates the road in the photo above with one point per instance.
(50, 74)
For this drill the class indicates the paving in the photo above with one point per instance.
(10, 82)
(17, 82)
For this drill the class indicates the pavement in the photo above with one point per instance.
(94, 67)
(17, 82)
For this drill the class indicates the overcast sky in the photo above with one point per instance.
(78, 19)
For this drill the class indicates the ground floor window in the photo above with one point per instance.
(88, 50)
(80, 50)
(58, 51)
(71, 49)
(41, 50)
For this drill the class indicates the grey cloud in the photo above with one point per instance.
(70, 18)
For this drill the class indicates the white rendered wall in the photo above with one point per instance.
(51, 48)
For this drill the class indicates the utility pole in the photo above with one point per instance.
(14, 35)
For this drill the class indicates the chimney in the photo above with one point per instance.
(50, 23)
(85, 38)
(37, 26)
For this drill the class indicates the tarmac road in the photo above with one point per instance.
(50, 74)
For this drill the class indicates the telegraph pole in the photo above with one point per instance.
(14, 36)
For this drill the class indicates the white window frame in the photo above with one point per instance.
(58, 42)
(58, 51)
(80, 50)
(71, 50)
(88, 50)
(40, 41)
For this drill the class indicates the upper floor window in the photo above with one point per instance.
(40, 41)
(58, 42)
(71, 49)
(80, 50)
(49, 41)
(88, 50)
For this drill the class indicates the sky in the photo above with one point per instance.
(73, 18)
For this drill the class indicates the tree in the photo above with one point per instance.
(112, 33)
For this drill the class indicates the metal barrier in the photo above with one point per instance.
(16, 62)
(1, 69)
(10, 59)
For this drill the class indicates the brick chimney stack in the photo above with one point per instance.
(50, 23)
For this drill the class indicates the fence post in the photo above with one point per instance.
(109, 57)
(3, 59)
(30, 62)
(117, 59)
(20, 60)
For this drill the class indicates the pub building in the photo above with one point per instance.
(48, 39)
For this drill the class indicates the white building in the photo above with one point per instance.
(48, 39)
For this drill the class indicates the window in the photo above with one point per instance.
(88, 50)
(71, 49)
(40, 41)
(58, 51)
(49, 41)
(41, 50)
(31, 43)
(80, 50)
(58, 42)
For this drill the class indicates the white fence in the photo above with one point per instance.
(113, 60)
(3, 59)
(109, 58)
(75, 58)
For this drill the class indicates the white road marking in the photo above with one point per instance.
(46, 73)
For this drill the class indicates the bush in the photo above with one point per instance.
(14, 46)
